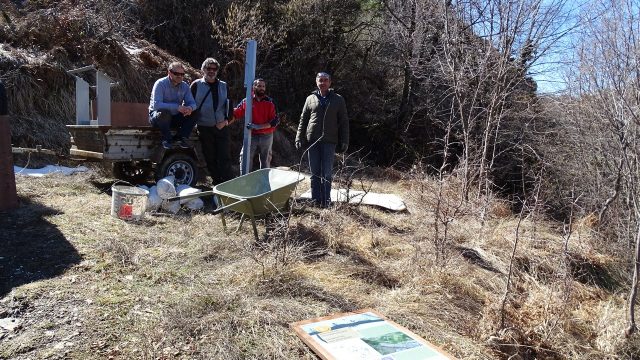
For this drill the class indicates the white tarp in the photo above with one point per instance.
(388, 201)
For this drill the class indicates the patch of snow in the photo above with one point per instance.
(5, 51)
(131, 49)
(23, 56)
(48, 170)
(10, 323)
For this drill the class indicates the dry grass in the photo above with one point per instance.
(178, 287)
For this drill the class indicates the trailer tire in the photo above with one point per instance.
(125, 170)
(180, 165)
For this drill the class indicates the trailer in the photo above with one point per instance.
(122, 137)
(134, 153)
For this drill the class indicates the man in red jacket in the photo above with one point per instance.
(263, 125)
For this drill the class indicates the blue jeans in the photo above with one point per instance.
(165, 121)
(321, 157)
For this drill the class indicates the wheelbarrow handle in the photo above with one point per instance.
(222, 208)
(191, 196)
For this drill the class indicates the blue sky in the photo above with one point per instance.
(549, 70)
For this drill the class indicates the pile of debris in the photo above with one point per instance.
(165, 189)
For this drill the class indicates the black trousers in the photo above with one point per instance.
(217, 154)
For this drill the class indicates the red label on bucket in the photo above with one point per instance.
(126, 211)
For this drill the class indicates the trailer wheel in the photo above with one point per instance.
(180, 165)
(127, 171)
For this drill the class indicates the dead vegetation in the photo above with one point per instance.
(82, 284)
(40, 43)
(77, 283)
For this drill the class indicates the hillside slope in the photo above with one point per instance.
(42, 41)
(81, 284)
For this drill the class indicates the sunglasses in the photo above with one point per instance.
(212, 69)
(176, 73)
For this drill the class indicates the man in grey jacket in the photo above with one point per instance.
(324, 126)
(212, 119)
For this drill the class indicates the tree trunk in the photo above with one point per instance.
(634, 288)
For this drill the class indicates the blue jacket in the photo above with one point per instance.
(165, 96)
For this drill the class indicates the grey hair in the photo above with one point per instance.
(256, 81)
(209, 61)
(175, 64)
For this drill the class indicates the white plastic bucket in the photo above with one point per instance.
(128, 202)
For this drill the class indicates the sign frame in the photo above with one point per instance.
(314, 342)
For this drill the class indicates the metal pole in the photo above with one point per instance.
(249, 75)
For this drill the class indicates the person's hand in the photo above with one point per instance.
(342, 147)
(222, 124)
(184, 110)
(298, 145)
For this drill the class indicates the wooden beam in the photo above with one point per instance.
(21, 150)
(86, 154)
(8, 194)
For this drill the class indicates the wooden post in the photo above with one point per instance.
(8, 195)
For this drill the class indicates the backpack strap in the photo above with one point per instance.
(205, 97)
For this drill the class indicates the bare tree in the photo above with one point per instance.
(606, 86)
(488, 79)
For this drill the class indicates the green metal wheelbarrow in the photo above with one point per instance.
(255, 194)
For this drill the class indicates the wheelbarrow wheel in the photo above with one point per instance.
(180, 165)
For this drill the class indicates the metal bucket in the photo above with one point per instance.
(128, 202)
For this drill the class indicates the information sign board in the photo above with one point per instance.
(364, 334)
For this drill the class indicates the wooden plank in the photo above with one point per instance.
(126, 114)
(21, 150)
(8, 192)
(135, 131)
(89, 127)
(86, 154)
(88, 137)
